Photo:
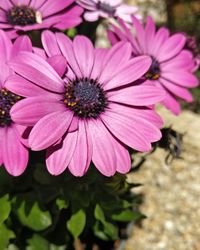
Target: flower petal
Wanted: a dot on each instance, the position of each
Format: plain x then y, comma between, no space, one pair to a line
49,129
30,110
37,70
125,130
15,155
171,47
65,45
23,87
81,158
59,156
22,43
119,52
141,95
182,78
103,155
49,43
177,90
131,71
59,63
84,53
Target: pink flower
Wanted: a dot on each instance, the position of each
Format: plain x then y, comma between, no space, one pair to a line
106,9
172,65
24,15
191,45
13,154
93,112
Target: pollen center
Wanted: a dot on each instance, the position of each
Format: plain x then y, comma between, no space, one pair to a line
105,7
21,15
85,97
7,100
154,71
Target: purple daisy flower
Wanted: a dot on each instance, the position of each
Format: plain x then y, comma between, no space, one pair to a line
26,15
191,45
106,9
172,65
93,112
13,153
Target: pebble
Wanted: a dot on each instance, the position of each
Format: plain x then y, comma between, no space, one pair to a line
171,193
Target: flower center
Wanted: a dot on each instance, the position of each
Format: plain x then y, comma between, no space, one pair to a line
85,97
22,16
105,7
154,71
7,100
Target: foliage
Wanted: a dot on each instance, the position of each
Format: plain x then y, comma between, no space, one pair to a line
40,211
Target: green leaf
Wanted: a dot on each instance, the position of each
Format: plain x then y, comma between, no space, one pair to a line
12,247
5,236
99,214
99,233
34,218
62,204
126,216
111,230
77,223
37,243
5,208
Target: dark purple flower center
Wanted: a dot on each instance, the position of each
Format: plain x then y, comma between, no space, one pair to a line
85,97
21,15
7,100
105,7
154,71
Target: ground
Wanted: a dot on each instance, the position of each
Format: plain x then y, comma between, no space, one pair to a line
171,193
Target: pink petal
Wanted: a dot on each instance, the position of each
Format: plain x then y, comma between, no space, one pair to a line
22,43
160,37
177,90
125,130
15,155
182,78
128,36
49,129
91,16
37,70
149,33
81,158
59,63
140,34
49,43
142,112
51,6
84,53
23,87
141,95
5,50
99,56
184,60
171,103
65,45
123,161
171,47
2,133
119,52
130,72
59,156
30,110
74,125
103,155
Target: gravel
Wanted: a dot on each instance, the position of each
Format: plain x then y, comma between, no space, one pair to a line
171,193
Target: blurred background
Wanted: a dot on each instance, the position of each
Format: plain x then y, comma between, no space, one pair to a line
171,192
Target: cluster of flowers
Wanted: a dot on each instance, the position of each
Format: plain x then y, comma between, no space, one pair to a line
81,103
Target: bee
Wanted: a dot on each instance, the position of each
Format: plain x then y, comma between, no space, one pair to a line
171,141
